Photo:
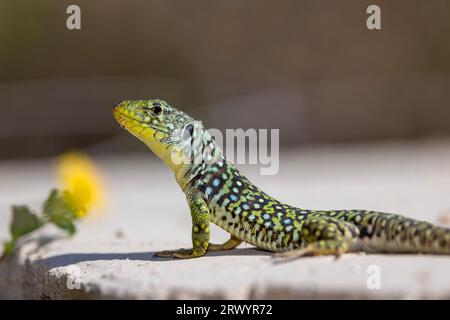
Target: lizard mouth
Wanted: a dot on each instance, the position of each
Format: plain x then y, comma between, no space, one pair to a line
123,117
120,118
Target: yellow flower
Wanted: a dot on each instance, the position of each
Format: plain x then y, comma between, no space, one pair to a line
80,177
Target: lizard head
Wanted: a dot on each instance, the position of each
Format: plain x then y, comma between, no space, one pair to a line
156,123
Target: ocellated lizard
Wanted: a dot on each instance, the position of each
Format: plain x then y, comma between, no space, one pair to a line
217,192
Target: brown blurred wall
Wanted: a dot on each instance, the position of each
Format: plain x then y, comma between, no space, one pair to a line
310,68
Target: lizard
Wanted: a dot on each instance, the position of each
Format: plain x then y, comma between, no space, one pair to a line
219,193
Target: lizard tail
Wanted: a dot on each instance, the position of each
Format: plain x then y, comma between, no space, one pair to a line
398,234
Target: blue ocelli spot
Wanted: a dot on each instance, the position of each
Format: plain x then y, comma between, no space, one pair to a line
216,182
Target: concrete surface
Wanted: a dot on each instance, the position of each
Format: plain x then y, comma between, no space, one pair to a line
111,255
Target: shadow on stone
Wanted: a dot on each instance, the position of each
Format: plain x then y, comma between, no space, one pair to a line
239,252
73,258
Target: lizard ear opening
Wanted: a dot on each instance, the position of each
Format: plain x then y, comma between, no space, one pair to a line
188,132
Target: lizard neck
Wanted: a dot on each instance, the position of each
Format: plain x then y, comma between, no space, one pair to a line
165,154
203,155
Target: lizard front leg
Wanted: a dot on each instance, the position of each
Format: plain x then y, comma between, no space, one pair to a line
200,232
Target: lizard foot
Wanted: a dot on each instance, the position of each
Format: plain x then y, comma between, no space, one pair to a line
320,248
233,242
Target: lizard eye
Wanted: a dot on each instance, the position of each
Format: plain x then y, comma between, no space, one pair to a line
156,110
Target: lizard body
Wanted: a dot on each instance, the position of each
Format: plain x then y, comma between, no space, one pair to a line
219,193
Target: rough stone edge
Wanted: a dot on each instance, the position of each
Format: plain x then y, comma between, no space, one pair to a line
25,277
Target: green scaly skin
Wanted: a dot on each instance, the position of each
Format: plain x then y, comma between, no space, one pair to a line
217,192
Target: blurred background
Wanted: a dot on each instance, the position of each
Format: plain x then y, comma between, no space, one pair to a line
364,119
310,68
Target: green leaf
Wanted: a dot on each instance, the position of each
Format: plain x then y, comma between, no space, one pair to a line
58,209
64,222
58,203
23,221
